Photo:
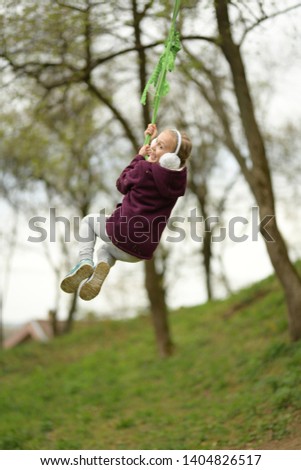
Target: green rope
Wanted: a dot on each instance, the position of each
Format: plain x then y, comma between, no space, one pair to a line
166,64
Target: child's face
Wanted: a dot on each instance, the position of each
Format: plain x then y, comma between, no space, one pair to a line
165,143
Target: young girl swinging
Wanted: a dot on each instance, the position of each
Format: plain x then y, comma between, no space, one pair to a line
132,233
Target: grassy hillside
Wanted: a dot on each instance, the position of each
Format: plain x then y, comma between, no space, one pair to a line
233,382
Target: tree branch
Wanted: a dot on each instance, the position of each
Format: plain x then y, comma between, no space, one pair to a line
218,107
71,7
265,18
211,39
95,63
104,99
102,60
147,7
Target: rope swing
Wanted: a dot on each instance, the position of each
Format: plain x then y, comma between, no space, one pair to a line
165,64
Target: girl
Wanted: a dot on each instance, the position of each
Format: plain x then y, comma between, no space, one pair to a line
132,233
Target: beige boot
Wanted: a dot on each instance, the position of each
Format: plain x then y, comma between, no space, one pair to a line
91,287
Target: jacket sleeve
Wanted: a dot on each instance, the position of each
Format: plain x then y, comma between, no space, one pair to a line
129,176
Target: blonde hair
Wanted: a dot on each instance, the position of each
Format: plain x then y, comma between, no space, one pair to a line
185,148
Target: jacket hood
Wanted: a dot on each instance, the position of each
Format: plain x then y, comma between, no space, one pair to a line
170,183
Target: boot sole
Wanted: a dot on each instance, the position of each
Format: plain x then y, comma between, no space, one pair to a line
71,283
92,286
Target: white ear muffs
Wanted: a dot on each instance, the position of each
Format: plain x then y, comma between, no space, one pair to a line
179,141
172,161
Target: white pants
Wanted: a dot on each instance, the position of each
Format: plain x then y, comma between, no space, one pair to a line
92,226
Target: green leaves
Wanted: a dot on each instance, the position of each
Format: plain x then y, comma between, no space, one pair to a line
166,64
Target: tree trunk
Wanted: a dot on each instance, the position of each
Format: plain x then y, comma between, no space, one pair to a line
206,247
284,270
156,294
259,177
207,237
200,190
72,310
52,318
1,322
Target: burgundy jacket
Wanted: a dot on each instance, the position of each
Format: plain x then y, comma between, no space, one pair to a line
151,192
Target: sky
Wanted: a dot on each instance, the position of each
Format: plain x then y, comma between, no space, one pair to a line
29,286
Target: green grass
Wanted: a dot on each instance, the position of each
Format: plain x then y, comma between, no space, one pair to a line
233,382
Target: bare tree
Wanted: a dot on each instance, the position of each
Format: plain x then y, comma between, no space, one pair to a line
258,176
202,163
52,149
254,165
60,66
